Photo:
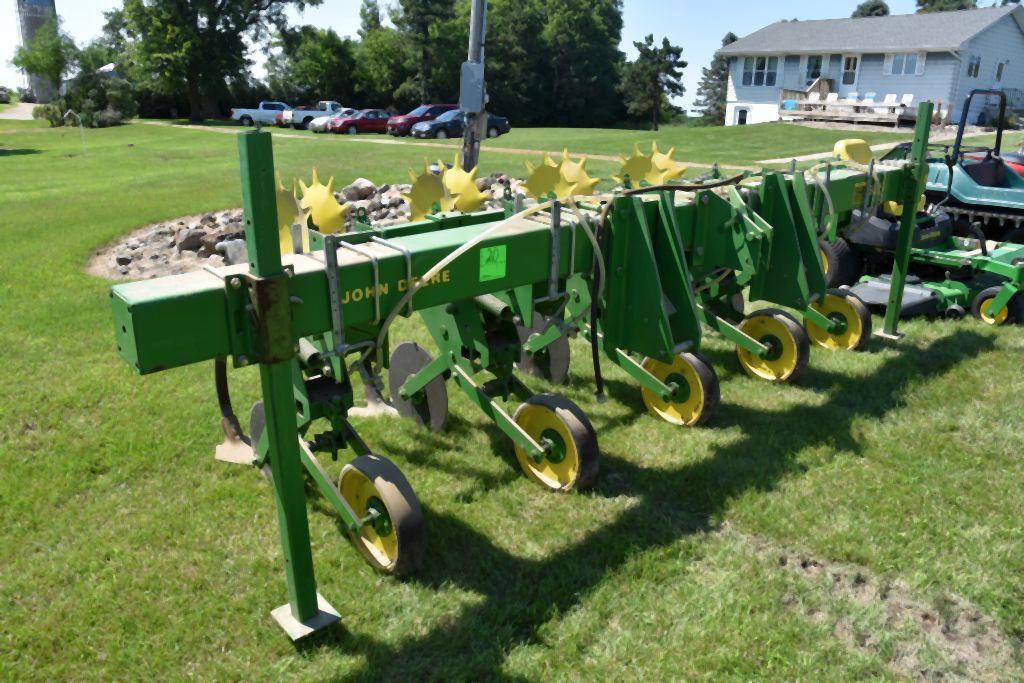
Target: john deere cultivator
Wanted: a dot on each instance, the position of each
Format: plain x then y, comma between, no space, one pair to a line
641,273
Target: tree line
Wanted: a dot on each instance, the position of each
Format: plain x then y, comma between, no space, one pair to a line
549,62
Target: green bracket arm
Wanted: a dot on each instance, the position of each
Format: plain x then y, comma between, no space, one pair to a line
913,185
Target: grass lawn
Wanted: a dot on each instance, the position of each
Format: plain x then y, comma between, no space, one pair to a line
843,527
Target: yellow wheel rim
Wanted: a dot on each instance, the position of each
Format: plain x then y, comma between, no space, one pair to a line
784,358
558,469
997,319
851,328
824,260
687,406
379,539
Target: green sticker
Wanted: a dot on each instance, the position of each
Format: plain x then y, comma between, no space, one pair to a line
492,263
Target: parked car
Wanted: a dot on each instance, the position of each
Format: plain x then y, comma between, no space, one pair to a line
321,124
401,125
323,108
5,96
365,121
266,112
451,124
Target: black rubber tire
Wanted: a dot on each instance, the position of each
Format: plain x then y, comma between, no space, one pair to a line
1015,306
403,508
257,423
552,363
1015,235
246,121
709,383
352,130
441,134
431,411
844,267
583,435
860,309
492,132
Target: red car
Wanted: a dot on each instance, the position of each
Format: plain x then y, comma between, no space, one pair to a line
401,125
365,121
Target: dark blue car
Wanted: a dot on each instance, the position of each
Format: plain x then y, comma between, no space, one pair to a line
451,123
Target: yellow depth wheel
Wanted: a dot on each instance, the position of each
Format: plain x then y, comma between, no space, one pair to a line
697,389
999,318
823,255
570,461
789,348
851,316
393,541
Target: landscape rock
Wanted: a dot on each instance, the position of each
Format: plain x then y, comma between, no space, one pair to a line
123,259
234,251
190,239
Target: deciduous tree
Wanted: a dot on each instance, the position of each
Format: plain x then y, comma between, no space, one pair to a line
871,8
925,6
49,55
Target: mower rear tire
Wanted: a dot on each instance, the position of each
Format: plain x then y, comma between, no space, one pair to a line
840,262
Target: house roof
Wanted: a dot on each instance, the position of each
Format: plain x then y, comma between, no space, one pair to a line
937,31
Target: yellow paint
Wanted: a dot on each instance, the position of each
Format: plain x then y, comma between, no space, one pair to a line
574,173
535,420
289,213
357,490
321,207
833,305
427,190
461,185
546,179
761,327
686,413
853,149
986,313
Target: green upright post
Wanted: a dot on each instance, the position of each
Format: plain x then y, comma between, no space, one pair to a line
910,193
271,302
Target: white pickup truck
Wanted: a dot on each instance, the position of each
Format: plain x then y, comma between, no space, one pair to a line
301,117
264,114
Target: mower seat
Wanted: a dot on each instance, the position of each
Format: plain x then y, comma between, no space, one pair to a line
989,172
854,149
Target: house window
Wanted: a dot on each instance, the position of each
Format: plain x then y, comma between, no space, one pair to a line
760,70
904,64
850,65
814,63
999,71
974,66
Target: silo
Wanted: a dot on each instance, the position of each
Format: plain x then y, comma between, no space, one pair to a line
31,15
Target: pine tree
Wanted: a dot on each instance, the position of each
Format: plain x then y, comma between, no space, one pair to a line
714,84
655,76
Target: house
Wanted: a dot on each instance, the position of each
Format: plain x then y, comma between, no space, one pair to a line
939,56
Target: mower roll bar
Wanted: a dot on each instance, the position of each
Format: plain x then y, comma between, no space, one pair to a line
963,121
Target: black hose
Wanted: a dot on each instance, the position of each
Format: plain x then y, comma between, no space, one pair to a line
229,421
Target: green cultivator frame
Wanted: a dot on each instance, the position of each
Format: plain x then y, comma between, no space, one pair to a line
642,274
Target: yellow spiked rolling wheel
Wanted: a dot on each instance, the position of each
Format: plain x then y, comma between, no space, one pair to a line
697,389
571,459
394,541
851,316
789,347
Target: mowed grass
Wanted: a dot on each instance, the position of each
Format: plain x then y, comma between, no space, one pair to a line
130,553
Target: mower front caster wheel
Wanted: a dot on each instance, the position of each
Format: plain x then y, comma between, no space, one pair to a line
981,308
789,349
852,319
393,540
570,460
697,389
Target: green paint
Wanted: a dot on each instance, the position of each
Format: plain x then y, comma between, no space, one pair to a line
493,263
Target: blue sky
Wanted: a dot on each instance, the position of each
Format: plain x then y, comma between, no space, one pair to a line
697,25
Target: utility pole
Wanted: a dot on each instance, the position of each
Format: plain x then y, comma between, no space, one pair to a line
473,90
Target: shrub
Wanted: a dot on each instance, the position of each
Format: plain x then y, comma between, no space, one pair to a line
49,112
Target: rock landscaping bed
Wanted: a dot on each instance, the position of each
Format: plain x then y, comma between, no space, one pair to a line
217,238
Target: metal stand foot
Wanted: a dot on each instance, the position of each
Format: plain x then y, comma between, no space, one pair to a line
300,629
891,337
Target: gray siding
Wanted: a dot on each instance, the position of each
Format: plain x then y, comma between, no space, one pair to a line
1003,41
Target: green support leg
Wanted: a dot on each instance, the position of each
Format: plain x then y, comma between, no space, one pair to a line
913,187
306,612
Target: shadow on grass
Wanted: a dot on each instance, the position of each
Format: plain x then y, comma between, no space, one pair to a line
521,595
18,152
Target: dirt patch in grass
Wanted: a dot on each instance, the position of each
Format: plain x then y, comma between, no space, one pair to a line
939,638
